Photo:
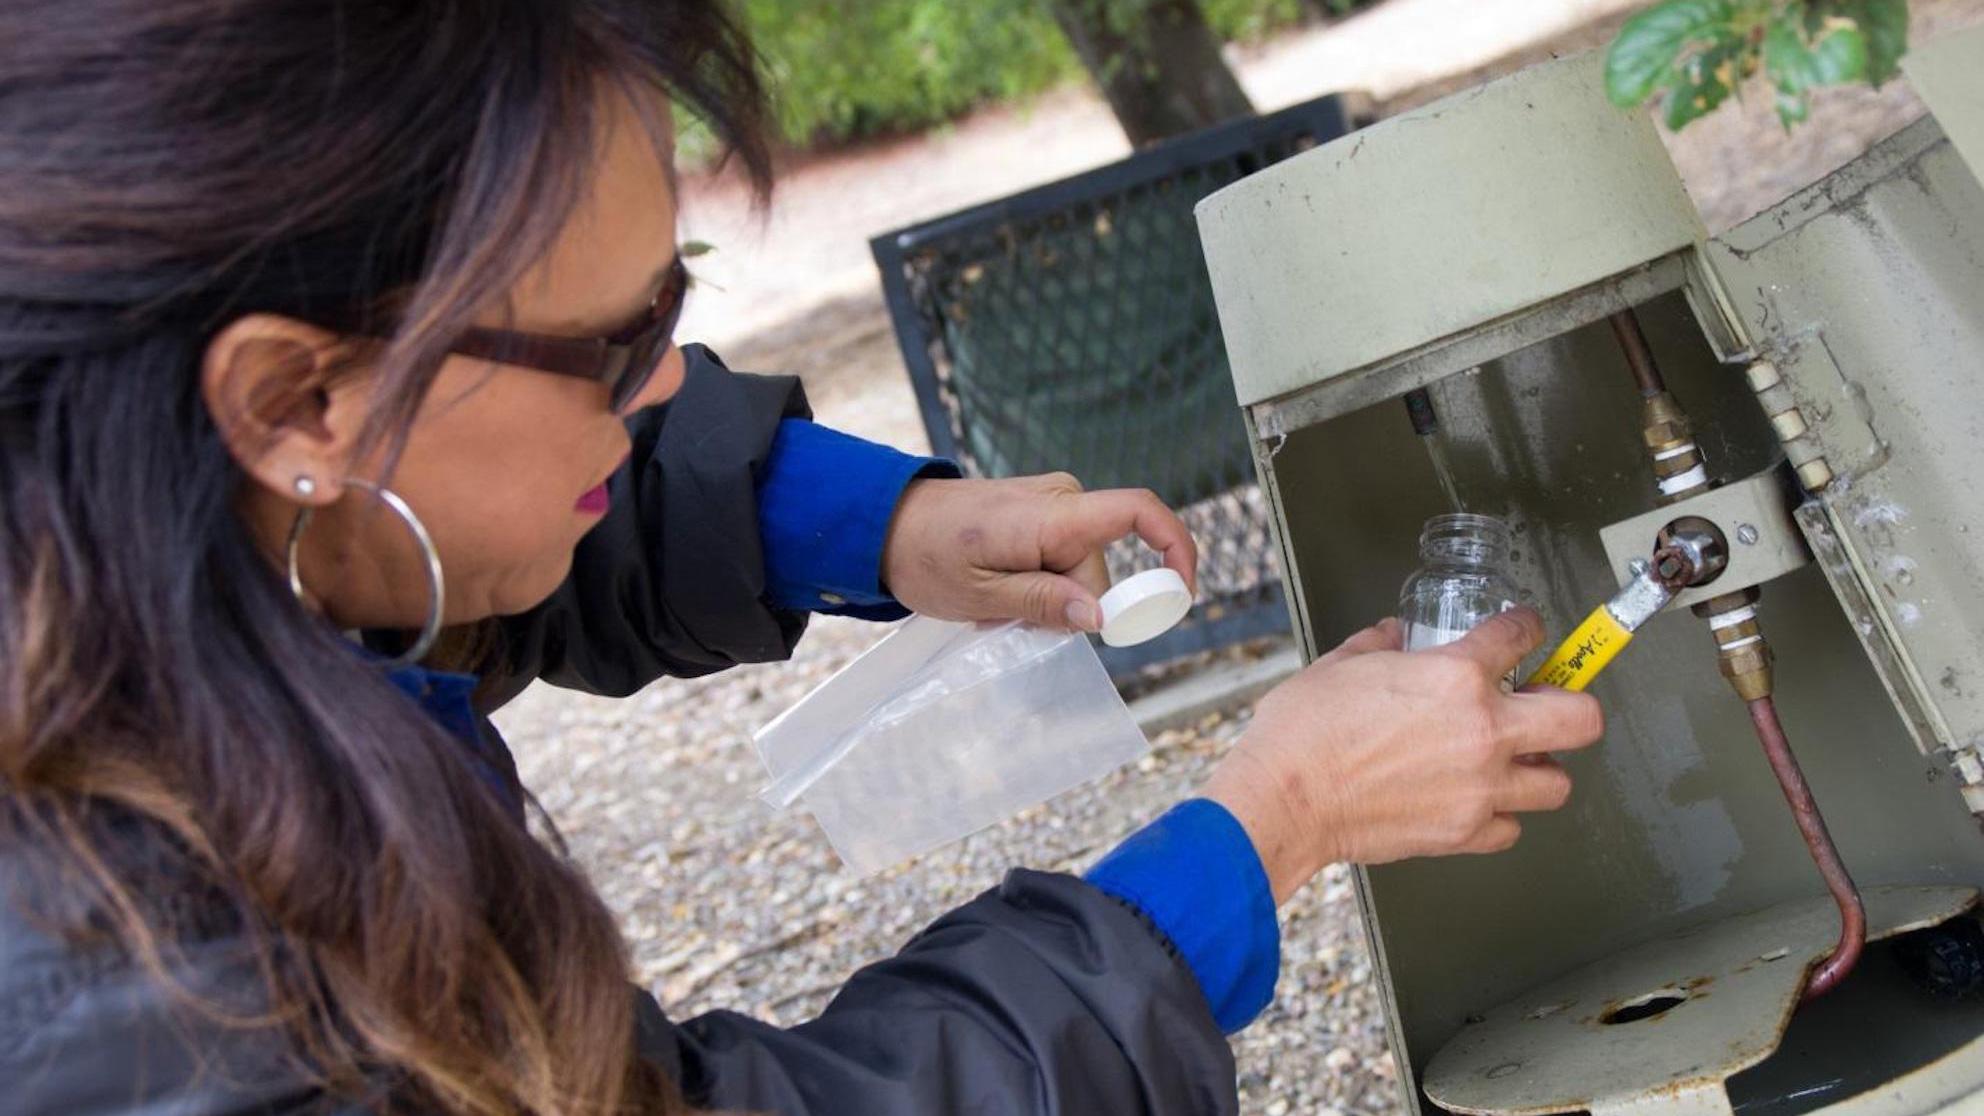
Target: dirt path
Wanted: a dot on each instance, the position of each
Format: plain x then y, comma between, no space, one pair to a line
729,907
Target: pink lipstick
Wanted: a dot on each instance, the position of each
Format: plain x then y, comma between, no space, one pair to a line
595,501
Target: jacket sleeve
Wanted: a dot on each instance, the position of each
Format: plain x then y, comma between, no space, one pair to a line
672,580
1043,996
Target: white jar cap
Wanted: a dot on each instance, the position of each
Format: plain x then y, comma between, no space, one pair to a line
1144,606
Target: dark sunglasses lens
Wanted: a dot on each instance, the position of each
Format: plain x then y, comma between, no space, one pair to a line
640,369
648,350
653,343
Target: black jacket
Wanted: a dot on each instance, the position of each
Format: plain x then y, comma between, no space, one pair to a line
1041,996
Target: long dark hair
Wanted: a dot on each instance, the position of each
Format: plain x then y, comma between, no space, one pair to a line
171,721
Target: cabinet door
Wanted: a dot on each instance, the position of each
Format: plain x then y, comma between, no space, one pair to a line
1867,290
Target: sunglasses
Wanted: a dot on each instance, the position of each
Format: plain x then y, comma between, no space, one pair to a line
624,361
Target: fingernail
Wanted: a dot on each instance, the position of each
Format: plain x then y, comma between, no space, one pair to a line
1081,616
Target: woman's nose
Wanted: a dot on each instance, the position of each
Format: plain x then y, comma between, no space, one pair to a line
662,386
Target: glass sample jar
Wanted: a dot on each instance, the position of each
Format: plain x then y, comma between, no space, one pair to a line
1462,580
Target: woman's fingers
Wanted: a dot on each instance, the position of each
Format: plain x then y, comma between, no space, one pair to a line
1534,786
1092,573
1096,519
1501,832
1550,720
1498,643
1385,635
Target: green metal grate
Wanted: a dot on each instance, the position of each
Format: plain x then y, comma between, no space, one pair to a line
1072,328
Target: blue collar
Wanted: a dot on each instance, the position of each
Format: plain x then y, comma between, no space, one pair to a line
444,696
448,699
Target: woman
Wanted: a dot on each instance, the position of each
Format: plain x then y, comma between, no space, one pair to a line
327,325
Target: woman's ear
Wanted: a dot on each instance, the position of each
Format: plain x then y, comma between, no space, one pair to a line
268,383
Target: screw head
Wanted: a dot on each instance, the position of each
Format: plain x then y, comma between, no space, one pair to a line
1746,534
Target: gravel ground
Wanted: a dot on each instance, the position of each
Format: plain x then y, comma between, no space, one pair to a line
730,906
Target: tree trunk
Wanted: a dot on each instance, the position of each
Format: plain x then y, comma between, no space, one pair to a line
1160,67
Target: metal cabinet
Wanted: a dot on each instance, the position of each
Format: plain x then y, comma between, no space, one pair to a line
1644,949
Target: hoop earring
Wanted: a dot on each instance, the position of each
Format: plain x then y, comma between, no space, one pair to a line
429,630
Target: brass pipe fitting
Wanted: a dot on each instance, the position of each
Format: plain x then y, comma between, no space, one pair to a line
1741,652
1663,424
1679,468
1748,668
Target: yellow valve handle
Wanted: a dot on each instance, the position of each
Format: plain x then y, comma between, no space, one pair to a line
1584,653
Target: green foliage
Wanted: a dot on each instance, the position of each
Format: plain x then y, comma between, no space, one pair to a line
843,69
1700,51
1250,19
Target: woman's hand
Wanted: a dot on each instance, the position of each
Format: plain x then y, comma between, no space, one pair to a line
1372,755
1029,548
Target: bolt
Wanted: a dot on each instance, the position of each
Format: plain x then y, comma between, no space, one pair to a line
1746,534
1673,567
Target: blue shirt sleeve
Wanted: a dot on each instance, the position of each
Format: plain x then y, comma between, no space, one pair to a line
825,501
1196,876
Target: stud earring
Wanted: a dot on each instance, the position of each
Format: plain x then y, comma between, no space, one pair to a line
305,486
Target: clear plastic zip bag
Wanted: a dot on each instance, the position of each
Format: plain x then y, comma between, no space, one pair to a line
942,729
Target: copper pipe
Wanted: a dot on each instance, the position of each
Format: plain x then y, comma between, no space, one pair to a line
1626,327
1852,914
